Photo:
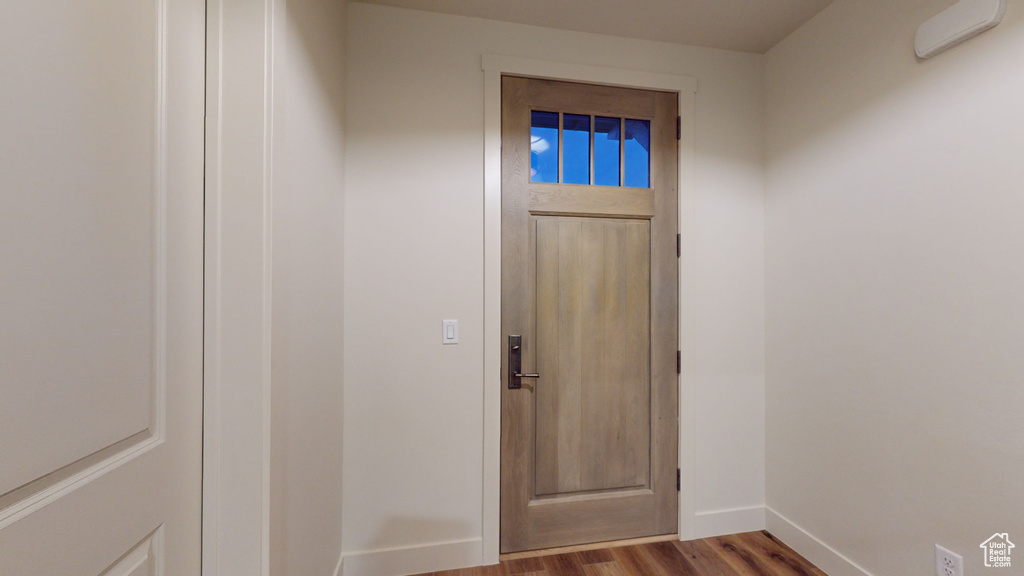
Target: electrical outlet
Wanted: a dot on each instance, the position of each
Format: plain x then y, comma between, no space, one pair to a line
948,563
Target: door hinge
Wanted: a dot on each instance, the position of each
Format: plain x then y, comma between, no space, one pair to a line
679,245
679,362
679,481
679,128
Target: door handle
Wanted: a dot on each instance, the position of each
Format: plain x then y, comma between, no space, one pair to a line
515,363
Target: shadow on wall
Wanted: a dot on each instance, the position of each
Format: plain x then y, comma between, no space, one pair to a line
307,315
851,66
318,27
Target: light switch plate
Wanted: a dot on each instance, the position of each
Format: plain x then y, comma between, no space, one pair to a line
449,332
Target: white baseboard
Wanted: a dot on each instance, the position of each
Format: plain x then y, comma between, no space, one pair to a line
467,553
820,554
412,559
339,570
733,521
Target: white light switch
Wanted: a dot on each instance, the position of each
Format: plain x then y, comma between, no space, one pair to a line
449,332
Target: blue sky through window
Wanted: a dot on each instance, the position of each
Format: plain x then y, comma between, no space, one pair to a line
544,147
576,150
576,155
638,156
606,151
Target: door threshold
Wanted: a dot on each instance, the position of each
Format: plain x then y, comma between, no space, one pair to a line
585,547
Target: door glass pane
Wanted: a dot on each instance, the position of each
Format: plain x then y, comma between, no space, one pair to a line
606,151
576,155
638,153
544,147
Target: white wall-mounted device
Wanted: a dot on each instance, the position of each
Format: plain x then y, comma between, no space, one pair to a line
965,19
449,332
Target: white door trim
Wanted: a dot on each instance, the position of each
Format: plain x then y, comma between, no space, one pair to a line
686,87
236,380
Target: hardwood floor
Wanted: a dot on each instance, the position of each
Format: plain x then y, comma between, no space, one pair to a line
750,554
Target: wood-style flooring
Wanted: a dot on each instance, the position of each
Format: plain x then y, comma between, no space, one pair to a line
750,554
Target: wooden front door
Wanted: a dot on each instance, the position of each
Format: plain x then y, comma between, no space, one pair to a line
589,314
101,287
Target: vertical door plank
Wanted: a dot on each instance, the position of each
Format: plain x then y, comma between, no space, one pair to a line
570,377
616,435
548,357
604,453
636,432
611,426
594,351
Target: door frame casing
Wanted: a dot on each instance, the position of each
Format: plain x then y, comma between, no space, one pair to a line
686,87
240,41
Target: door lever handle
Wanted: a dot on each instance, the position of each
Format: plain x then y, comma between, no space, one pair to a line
515,363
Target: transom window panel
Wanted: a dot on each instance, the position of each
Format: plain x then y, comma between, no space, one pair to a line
584,149
606,151
544,147
638,153
576,157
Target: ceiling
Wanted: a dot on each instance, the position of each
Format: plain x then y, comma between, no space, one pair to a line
744,25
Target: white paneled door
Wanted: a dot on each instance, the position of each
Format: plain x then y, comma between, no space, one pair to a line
101,284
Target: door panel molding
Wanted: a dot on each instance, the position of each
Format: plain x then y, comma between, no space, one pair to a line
21,502
494,67
145,559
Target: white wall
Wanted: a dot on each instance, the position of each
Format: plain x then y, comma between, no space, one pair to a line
308,213
414,256
895,274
